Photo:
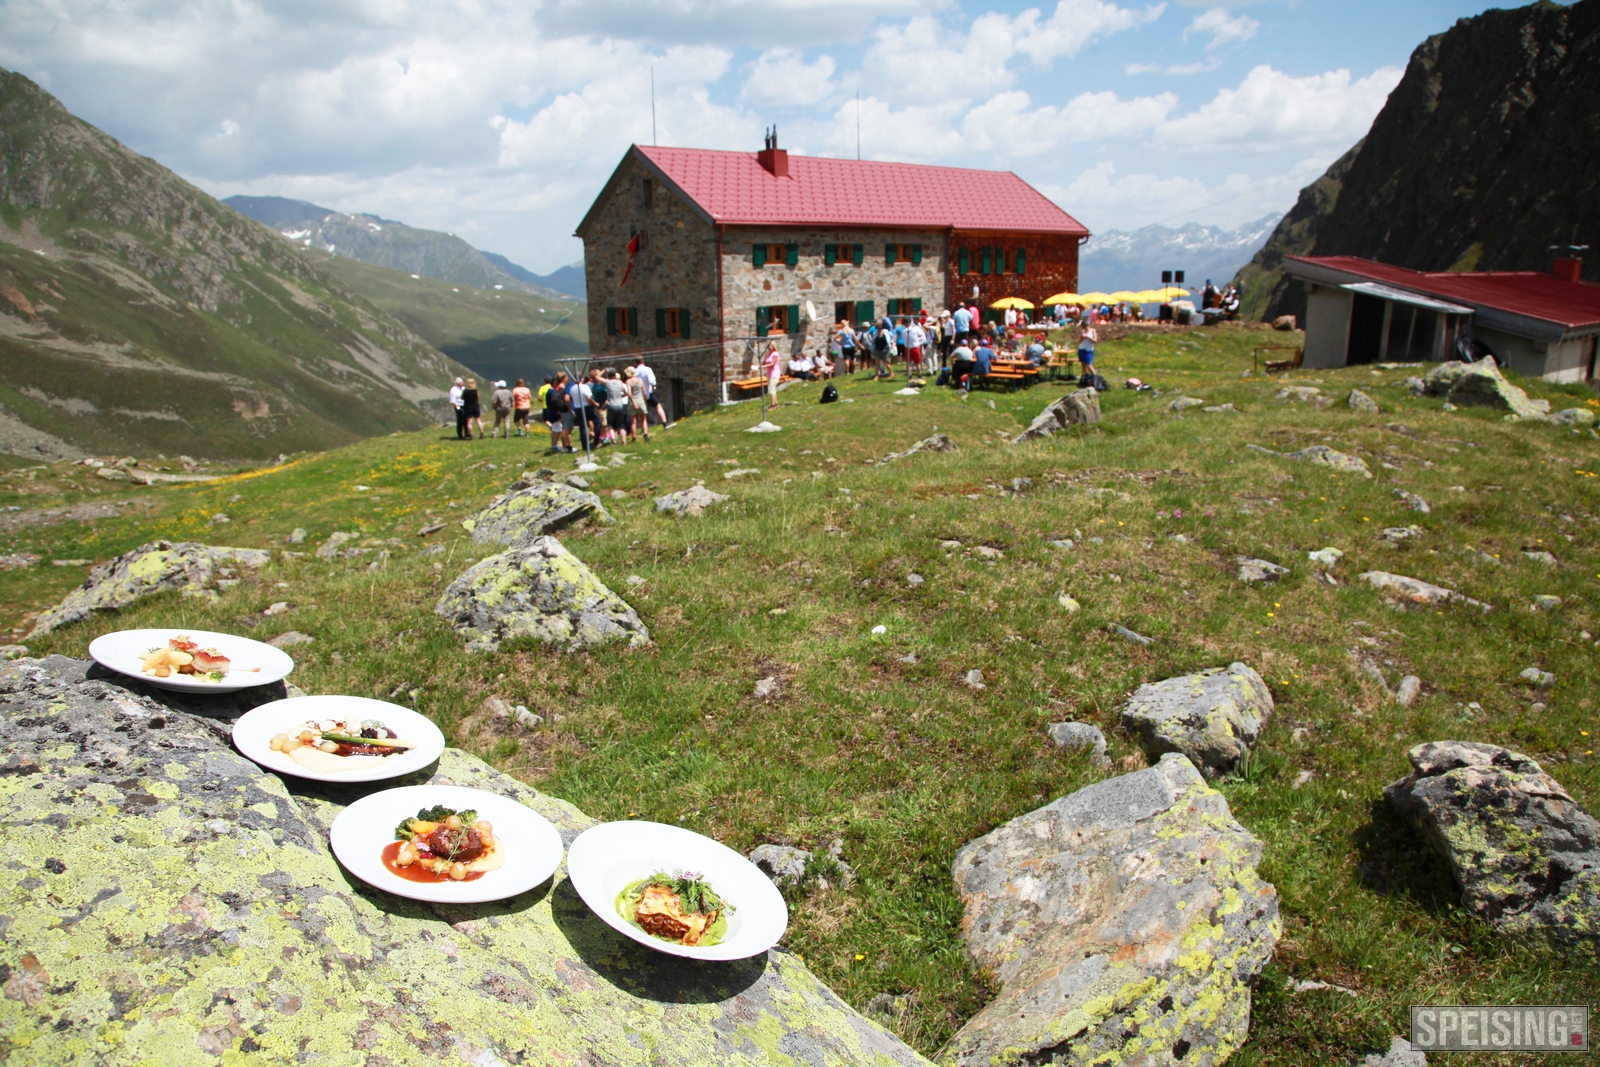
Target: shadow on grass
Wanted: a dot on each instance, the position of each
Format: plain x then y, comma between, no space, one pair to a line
1397,862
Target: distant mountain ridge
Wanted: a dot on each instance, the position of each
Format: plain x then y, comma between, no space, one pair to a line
138,313
1117,259
1486,154
386,243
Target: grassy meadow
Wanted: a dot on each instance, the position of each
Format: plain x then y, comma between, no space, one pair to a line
875,740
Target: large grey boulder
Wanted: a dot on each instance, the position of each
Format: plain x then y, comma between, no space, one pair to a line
154,567
1124,923
937,443
1573,417
542,508
692,501
1525,854
1481,384
1212,717
1322,456
1078,408
186,901
538,590
1363,403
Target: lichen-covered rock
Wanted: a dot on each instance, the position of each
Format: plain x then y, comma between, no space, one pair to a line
1405,590
1081,735
1322,456
1300,394
336,541
542,508
1078,408
153,567
1363,403
538,590
692,501
1124,922
1413,501
1482,384
1252,569
1184,403
937,443
178,905
1573,417
1526,855
1212,717
784,864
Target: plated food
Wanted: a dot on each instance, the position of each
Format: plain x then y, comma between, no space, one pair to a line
682,908
446,843
676,891
191,659
338,739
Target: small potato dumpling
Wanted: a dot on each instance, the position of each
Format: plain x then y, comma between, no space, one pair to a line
407,855
458,871
307,736
453,822
484,826
278,742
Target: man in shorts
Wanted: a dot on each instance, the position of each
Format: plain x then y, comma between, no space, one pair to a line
500,400
521,407
650,396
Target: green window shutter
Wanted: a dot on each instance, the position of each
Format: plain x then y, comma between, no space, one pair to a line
1022,261
758,255
858,254
794,318
830,254
633,321
762,319
888,255
863,308
984,261
916,255
916,304
683,322
962,262
791,255
611,321
661,322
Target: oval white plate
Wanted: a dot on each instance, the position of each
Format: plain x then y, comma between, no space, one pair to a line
606,859
125,650
254,730
361,832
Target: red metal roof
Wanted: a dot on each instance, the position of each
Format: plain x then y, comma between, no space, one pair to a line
1540,296
733,188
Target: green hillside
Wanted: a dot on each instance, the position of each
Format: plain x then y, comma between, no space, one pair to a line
499,334
139,314
875,739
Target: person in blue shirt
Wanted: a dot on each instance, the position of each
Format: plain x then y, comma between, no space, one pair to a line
984,356
1036,353
963,321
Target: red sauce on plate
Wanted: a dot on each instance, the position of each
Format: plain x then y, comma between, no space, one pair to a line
415,872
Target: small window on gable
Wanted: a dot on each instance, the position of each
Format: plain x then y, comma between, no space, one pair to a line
649,192
625,321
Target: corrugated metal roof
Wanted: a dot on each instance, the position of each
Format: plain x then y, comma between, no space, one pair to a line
1400,296
1572,305
734,188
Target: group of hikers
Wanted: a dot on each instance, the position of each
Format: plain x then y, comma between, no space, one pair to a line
605,405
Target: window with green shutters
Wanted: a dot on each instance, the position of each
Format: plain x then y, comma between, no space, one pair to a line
672,322
916,255
888,254
611,321
791,255
864,310
858,254
830,255
758,255
622,321
1022,261
985,260
763,320
963,262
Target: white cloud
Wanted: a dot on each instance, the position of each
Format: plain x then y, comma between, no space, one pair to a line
1007,125
1203,66
782,78
1271,110
1222,27
1102,198
1075,25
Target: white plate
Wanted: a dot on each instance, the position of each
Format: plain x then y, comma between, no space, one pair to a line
608,858
125,650
254,730
533,848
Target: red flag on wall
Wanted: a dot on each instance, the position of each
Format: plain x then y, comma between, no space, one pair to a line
633,250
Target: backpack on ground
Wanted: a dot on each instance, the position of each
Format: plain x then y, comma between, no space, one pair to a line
1091,380
829,394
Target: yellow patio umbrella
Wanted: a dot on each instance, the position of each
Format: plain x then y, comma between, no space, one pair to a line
1123,296
1172,292
1151,296
1011,302
1098,298
1062,298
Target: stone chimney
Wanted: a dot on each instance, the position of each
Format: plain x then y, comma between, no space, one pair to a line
1566,270
773,158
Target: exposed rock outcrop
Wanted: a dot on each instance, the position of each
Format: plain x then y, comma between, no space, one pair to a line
1526,855
1403,590
1483,385
155,567
187,901
1212,717
1124,922
692,501
937,443
1322,456
1078,408
540,509
538,590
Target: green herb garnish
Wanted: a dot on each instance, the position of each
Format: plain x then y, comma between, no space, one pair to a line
437,813
694,893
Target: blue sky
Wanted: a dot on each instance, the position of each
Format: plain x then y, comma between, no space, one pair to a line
499,120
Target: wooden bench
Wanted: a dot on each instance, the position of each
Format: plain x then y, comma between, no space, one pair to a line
756,383
1010,378
1274,366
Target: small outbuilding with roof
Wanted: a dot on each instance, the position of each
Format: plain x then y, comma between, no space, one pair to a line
1362,311
706,254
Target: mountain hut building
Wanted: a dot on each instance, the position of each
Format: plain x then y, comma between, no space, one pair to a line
696,256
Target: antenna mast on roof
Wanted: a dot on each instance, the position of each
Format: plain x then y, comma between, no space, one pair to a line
653,105
771,139
858,124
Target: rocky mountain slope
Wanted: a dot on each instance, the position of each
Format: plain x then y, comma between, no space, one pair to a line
136,312
1118,259
569,280
1486,154
386,243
